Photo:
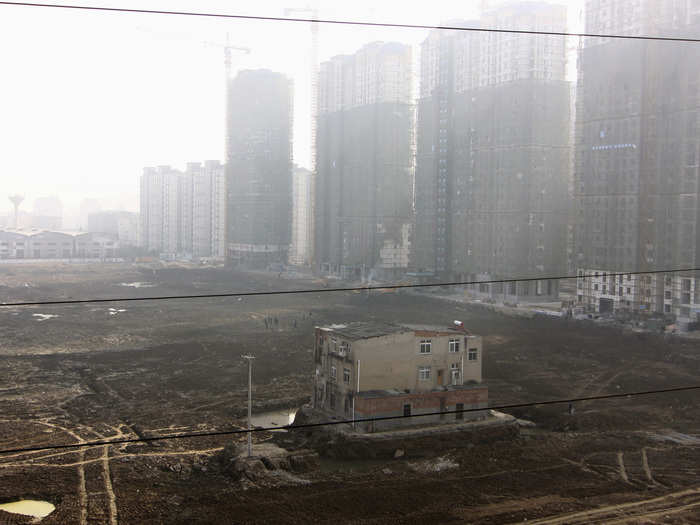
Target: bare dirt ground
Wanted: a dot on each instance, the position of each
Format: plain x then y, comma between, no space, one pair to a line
156,368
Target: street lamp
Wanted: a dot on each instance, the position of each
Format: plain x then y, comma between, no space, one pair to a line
250,358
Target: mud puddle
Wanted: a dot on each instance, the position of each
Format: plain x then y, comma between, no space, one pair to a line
29,507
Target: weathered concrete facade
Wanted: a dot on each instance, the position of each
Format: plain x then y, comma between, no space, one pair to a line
364,163
637,184
377,404
375,370
259,168
493,154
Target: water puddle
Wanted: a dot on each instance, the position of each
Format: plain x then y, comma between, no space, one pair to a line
44,317
28,507
138,284
274,418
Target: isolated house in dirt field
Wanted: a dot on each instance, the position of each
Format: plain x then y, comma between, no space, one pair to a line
370,370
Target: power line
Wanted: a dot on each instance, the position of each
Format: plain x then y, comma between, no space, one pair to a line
328,290
191,435
345,22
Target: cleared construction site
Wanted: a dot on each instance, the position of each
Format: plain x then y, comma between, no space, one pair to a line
144,369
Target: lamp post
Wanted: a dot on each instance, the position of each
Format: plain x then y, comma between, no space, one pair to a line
250,358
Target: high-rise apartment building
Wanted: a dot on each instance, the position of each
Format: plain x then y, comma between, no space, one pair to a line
493,154
364,163
183,214
259,168
302,217
208,214
637,154
160,204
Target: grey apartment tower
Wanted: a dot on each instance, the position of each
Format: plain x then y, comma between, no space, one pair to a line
493,155
364,163
259,168
637,154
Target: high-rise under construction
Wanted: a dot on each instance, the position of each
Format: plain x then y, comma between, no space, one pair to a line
259,168
637,154
364,160
493,154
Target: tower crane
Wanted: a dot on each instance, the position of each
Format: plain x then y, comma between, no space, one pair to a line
228,52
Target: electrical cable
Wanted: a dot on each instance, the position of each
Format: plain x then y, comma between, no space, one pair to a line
327,290
345,421
344,22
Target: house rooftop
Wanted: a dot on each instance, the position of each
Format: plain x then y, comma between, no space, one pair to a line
364,330
437,328
367,330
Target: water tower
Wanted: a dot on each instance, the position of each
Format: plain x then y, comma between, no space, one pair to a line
16,200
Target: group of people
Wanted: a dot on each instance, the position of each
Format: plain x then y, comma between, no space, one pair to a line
273,323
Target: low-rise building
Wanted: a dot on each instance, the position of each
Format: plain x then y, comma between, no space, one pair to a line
670,294
41,244
371,370
50,245
96,245
13,245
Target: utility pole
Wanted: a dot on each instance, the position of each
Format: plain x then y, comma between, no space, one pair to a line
250,358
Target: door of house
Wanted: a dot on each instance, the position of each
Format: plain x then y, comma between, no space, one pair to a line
440,377
606,305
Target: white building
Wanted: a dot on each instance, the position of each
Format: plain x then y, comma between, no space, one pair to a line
609,292
44,244
184,214
302,217
394,255
160,210
208,208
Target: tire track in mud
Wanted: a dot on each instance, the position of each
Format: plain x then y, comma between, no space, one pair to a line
93,472
621,467
645,467
108,486
672,503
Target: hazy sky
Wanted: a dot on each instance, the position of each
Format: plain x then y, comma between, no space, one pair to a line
87,99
